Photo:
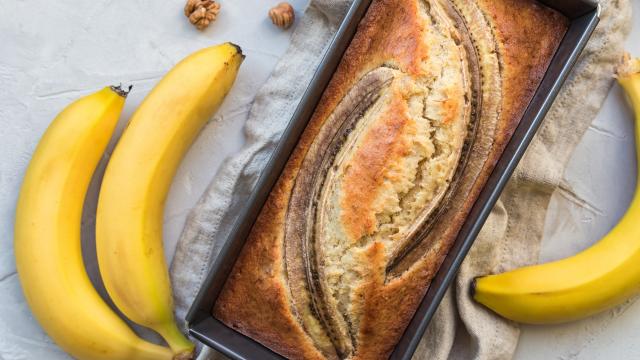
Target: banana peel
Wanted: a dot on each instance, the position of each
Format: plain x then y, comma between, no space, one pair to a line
130,210
47,236
594,280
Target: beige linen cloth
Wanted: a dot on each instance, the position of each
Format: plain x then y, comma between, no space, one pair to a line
511,236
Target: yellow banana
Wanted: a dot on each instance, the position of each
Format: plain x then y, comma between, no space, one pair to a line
138,177
598,278
47,235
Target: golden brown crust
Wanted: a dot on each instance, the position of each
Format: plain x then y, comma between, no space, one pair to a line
528,34
256,299
381,145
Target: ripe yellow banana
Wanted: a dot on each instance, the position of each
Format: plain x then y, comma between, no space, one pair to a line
47,236
605,275
138,177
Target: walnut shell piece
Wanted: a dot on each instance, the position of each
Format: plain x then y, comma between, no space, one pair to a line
282,15
201,13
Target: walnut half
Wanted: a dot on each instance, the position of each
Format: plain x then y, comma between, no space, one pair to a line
282,15
201,12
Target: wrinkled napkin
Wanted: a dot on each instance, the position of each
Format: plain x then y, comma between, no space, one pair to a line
511,236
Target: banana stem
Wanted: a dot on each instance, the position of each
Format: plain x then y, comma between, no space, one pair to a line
120,91
628,75
629,78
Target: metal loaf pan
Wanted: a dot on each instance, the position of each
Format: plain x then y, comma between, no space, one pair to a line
583,15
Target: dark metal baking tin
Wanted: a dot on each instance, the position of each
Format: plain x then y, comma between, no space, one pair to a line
584,16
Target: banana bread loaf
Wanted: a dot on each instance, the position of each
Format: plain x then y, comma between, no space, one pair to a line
407,132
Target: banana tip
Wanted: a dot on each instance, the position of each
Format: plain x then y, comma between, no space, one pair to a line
472,287
238,49
185,355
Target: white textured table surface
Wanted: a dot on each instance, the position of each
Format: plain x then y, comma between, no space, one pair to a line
53,52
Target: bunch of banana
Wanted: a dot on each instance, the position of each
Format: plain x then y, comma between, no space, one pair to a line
603,276
129,222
